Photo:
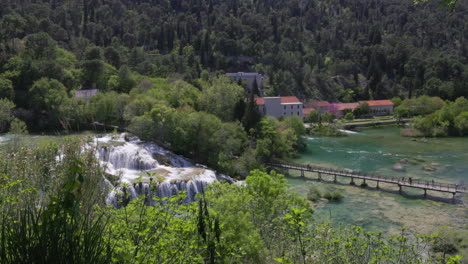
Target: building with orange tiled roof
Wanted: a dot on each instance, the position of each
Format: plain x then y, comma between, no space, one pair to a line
306,111
380,107
338,109
280,106
321,106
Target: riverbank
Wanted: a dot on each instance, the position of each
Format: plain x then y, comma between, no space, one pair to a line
337,128
372,123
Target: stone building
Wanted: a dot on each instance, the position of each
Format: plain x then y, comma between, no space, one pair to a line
339,109
320,106
86,94
280,106
380,107
249,78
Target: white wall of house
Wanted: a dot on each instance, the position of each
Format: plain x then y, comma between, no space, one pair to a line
274,107
382,110
292,109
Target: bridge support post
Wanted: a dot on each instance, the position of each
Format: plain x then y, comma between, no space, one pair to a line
400,190
334,178
319,176
302,174
377,185
352,181
453,197
425,193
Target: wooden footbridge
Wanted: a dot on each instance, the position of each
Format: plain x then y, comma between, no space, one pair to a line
401,182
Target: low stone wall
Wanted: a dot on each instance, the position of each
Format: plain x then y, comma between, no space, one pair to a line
376,123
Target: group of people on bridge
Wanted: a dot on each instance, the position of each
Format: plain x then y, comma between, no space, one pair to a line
411,180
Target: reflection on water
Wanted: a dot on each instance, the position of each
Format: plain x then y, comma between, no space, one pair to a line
376,151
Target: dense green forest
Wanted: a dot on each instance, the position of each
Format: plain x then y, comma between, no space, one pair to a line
336,50
343,49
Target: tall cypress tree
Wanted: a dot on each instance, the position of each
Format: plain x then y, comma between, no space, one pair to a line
252,115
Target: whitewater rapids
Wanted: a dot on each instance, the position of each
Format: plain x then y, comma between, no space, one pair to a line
136,165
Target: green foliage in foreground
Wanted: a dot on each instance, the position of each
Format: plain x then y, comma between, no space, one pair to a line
52,211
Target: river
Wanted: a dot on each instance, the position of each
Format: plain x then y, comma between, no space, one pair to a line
376,150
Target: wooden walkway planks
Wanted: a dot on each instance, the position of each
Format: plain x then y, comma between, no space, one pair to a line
401,182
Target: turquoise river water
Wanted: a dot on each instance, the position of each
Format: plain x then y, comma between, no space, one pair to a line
376,150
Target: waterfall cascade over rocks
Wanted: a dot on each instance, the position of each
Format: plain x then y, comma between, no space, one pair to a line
136,164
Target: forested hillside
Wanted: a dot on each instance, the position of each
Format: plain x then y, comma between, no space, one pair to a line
338,49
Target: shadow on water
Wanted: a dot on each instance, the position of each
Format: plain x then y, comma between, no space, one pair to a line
384,190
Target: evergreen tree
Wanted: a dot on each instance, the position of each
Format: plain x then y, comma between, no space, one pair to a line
252,114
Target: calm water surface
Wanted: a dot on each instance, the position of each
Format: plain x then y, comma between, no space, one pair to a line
376,151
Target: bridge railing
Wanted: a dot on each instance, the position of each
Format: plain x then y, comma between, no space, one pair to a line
359,174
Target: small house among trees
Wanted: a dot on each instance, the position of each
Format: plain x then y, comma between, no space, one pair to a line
340,109
251,80
380,107
321,106
86,94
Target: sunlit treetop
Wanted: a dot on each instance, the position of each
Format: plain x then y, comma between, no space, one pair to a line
450,4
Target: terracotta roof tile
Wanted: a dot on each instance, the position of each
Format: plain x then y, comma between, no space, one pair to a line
307,110
320,103
289,99
259,101
378,102
284,100
342,106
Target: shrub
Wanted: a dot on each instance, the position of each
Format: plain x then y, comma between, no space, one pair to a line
328,117
362,109
314,194
333,195
349,116
313,116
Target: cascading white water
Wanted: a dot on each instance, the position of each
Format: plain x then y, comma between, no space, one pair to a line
129,156
135,163
349,131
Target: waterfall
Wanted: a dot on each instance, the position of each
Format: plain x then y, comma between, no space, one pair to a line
122,195
129,156
148,170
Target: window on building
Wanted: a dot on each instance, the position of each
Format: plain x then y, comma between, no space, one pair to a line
291,107
284,107
297,106
297,113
